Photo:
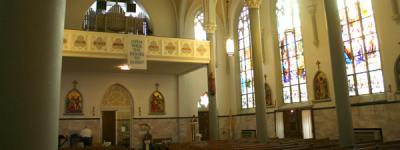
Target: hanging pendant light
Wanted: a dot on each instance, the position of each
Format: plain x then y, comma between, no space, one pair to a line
130,6
101,5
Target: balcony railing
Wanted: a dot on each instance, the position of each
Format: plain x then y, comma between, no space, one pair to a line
116,46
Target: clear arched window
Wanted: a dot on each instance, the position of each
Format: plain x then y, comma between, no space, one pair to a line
199,33
202,105
292,52
245,59
361,47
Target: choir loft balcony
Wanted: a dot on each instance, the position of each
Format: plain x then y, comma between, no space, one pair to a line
99,50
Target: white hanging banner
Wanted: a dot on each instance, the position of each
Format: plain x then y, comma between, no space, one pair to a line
136,53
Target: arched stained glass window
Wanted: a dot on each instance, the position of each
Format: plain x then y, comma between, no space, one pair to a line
292,52
245,58
361,47
199,33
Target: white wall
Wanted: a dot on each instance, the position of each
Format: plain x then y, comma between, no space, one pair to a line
192,85
93,86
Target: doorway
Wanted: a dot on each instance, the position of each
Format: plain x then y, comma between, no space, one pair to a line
292,124
108,122
295,123
117,113
204,125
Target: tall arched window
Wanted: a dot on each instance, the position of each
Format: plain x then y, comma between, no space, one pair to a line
361,50
199,33
292,52
245,58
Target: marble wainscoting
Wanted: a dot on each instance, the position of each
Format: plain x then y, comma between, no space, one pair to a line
160,128
226,127
271,129
68,126
325,123
244,122
185,129
230,127
385,116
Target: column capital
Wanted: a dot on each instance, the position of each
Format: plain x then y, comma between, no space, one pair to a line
253,3
210,27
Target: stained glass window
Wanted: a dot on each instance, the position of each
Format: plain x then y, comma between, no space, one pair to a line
292,52
199,33
361,47
245,58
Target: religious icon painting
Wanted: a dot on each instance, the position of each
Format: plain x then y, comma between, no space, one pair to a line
74,101
321,91
157,102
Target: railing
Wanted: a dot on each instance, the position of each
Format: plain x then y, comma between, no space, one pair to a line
116,46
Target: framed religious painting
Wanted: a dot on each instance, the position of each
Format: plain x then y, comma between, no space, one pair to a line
74,101
157,102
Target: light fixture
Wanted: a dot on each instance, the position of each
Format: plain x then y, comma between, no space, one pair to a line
124,67
230,50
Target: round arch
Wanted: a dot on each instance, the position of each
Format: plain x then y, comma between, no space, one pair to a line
118,100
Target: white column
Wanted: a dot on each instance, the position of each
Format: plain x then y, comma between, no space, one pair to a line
256,47
343,109
31,38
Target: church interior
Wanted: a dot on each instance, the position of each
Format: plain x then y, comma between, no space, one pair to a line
188,74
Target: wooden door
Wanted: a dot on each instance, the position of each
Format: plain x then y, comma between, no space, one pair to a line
203,125
109,126
292,124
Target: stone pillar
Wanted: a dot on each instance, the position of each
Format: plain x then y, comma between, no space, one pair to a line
31,39
256,47
212,89
343,109
210,27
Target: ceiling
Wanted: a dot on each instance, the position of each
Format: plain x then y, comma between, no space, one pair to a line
77,64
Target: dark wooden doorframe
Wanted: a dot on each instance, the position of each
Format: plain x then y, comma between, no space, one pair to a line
108,126
204,125
292,122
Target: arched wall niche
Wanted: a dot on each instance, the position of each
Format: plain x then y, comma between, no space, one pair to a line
117,98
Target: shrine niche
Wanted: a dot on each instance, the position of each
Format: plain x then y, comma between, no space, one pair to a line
157,102
397,74
74,101
321,91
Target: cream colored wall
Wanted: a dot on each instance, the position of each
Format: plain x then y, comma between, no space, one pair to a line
74,13
389,39
93,86
192,85
161,13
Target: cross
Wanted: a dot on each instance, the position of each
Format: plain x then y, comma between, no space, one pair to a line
157,85
318,63
74,83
